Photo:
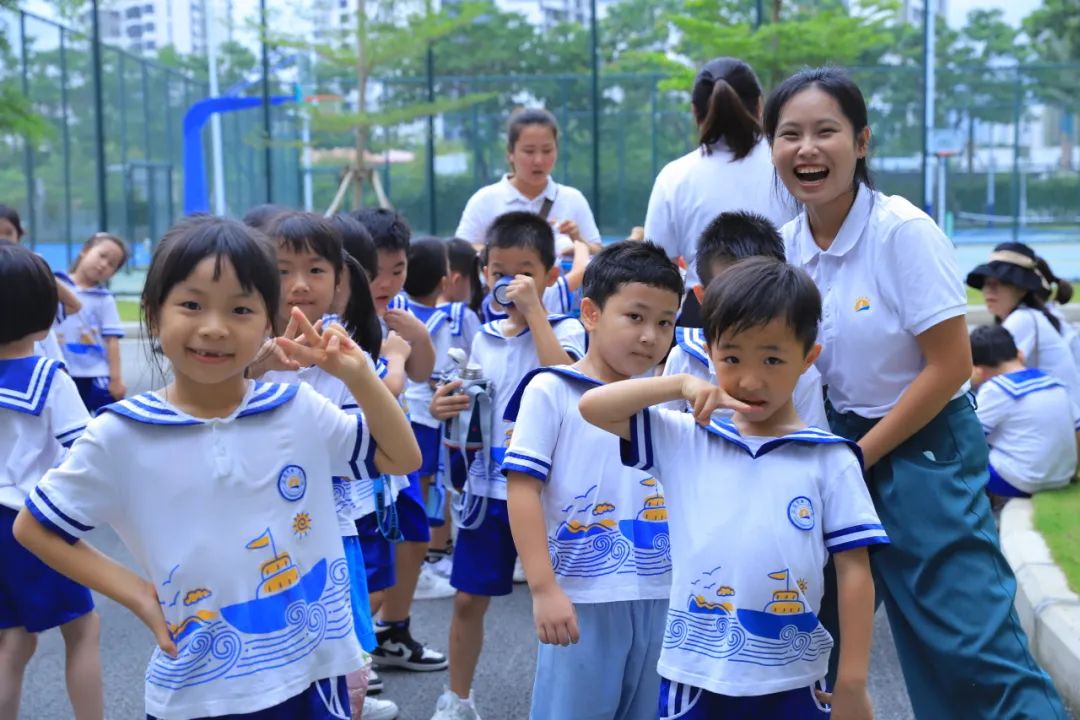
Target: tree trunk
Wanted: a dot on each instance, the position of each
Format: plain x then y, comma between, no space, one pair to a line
359,166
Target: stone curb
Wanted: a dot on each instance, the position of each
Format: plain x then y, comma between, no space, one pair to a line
1048,609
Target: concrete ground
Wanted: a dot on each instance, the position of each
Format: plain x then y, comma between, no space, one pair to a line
503,684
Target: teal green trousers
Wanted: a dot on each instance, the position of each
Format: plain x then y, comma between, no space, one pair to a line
946,586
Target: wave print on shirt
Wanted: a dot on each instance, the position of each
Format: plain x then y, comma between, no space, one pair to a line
290,616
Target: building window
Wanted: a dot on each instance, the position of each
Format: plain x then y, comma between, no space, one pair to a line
148,27
132,13
148,9
150,45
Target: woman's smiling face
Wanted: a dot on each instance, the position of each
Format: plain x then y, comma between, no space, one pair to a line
815,148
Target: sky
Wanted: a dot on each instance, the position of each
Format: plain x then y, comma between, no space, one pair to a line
1015,10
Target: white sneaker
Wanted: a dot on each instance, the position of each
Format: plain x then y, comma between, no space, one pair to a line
443,566
519,572
430,586
451,707
375,709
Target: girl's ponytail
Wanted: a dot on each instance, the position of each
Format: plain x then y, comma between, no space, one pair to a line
1061,291
725,98
359,316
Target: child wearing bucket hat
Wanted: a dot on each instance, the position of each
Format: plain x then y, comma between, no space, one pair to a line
1013,289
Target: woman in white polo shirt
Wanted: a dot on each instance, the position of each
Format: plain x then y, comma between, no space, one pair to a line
532,148
895,360
730,169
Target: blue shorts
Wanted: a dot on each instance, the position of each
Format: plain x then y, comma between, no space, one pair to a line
94,392
610,673
32,594
378,554
484,557
358,592
323,700
430,441
686,702
998,485
412,514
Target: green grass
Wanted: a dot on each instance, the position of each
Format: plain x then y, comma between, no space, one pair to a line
974,296
129,310
1055,518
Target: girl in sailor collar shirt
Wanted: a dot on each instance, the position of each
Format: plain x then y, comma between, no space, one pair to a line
229,509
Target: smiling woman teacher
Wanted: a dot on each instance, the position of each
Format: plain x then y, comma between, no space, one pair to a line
895,359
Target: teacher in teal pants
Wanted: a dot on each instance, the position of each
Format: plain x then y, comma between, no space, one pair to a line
896,360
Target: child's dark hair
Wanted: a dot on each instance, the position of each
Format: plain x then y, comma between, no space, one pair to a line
357,242
464,260
1061,291
427,266
521,229
521,119
307,232
734,236
834,82
630,262
97,239
261,217
725,98
28,296
992,345
754,292
191,241
389,229
12,216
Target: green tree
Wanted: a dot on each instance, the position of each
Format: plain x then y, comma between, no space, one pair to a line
1054,32
17,115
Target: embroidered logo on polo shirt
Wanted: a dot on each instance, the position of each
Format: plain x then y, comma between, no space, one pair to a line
862,303
800,512
292,482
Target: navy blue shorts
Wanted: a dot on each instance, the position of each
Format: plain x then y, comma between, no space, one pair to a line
686,702
32,594
94,392
430,441
998,485
378,554
412,514
484,557
312,704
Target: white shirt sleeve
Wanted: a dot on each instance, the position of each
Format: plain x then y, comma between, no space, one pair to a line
557,296
440,339
659,440
848,518
84,491
658,218
925,288
536,429
571,335
809,399
992,406
110,318
1023,326
678,362
470,326
474,219
583,216
349,445
67,413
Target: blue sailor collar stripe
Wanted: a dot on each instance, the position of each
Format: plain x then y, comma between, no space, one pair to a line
456,312
431,317
1024,382
692,341
565,371
726,430
398,302
89,291
150,409
25,383
492,328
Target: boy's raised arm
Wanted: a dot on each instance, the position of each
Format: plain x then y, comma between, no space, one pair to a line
610,407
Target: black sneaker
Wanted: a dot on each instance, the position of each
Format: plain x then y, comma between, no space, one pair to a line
375,683
397,648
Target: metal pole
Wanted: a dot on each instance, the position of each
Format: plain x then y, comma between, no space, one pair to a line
65,105
28,147
266,101
929,60
432,208
760,14
215,119
595,42
99,117
1017,116
942,163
